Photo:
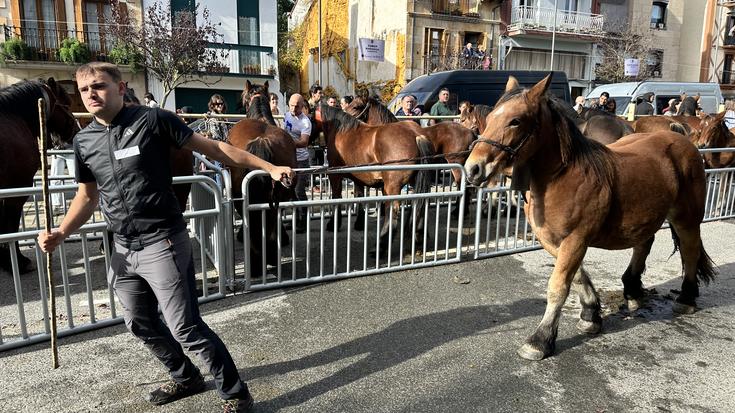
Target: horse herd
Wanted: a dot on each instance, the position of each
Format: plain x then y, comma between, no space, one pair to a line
593,180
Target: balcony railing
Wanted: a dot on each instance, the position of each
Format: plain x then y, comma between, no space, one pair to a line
43,44
542,19
451,61
246,60
727,76
454,7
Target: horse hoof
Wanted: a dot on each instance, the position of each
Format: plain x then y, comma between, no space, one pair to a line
529,352
589,327
681,308
634,305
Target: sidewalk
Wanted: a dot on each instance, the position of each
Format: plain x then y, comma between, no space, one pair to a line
416,341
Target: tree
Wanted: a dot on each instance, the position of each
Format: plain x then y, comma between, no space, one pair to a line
629,42
170,46
288,59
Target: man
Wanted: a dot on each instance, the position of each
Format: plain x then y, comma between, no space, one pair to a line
122,159
601,103
643,106
332,101
468,55
579,104
408,108
298,126
316,93
441,108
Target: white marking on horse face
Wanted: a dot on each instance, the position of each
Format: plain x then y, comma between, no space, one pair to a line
500,110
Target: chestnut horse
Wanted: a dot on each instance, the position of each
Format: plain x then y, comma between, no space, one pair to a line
19,155
602,126
351,142
476,117
686,125
584,194
276,146
715,134
448,138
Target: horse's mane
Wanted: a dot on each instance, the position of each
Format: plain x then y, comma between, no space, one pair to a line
344,121
481,111
576,148
21,99
378,109
260,109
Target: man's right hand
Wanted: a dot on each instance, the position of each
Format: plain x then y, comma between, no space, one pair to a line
48,241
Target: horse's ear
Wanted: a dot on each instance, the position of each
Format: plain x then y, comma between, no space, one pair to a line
51,82
540,88
248,86
512,84
265,85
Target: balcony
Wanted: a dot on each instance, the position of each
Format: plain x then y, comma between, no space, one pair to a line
257,61
542,19
455,8
43,44
727,78
451,61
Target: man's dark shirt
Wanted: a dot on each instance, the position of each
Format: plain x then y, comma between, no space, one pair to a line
414,112
643,108
130,161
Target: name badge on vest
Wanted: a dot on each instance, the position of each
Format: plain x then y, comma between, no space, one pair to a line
127,152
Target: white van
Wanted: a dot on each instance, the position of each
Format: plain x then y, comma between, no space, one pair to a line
625,93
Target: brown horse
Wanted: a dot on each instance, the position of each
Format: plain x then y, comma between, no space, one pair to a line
448,138
19,156
276,146
351,142
715,134
602,126
584,194
475,120
686,125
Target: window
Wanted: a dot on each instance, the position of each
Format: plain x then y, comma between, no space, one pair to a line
571,5
653,63
658,14
730,30
433,48
727,77
96,13
38,27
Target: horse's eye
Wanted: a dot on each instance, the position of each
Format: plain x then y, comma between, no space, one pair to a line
515,122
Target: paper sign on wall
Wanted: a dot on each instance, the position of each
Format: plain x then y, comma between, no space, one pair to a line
372,50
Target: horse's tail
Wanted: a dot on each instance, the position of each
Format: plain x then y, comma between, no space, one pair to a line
422,183
705,266
261,147
678,128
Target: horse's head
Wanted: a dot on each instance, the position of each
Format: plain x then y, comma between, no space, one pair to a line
260,109
714,132
358,108
512,132
250,91
59,119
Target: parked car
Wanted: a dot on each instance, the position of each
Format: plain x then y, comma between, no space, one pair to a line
625,93
477,86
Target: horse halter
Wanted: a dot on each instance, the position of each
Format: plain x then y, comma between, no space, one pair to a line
505,148
363,112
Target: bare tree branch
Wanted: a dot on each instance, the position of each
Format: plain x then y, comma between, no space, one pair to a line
632,41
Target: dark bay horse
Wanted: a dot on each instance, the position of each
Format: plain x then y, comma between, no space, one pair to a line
602,126
276,146
351,142
584,194
19,155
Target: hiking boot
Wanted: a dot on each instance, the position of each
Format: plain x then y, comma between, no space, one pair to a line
172,391
238,405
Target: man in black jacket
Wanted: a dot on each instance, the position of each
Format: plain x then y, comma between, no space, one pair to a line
643,105
122,160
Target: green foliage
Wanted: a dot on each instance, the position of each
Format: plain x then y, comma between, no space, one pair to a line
72,51
14,49
126,55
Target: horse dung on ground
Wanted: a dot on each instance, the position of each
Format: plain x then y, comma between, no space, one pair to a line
584,194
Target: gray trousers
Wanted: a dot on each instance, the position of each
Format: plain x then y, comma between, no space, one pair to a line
162,274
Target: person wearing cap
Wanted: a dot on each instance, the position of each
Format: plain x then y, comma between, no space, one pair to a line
643,106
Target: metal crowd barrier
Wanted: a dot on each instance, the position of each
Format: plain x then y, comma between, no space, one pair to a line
86,300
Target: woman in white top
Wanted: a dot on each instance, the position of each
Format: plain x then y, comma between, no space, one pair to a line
150,101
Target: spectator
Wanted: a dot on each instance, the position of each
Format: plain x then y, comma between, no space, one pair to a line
468,55
217,128
643,106
730,113
345,101
671,109
441,108
465,107
332,101
149,100
601,101
315,95
487,61
611,106
408,108
298,126
273,99
579,104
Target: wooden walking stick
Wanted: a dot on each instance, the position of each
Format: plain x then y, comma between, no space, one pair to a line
47,209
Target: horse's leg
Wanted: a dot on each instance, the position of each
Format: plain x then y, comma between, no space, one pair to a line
569,258
360,220
590,321
696,264
391,186
336,184
632,285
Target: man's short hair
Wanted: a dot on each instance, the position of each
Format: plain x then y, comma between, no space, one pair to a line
100,67
443,90
607,95
315,88
408,96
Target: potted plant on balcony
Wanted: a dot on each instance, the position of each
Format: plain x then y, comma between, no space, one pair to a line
124,55
14,49
72,51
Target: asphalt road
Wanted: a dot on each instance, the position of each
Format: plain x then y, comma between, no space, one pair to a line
419,341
